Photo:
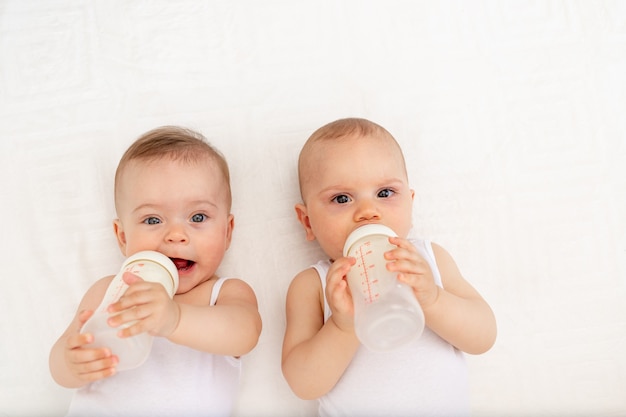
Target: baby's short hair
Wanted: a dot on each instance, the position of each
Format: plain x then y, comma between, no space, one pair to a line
176,143
347,127
341,128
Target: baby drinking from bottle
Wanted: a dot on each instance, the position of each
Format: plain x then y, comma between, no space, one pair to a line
352,173
190,326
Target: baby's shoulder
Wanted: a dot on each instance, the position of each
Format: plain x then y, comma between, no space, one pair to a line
99,288
305,284
308,276
94,295
217,290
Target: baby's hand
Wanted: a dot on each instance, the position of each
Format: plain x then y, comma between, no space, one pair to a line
338,293
413,270
85,363
147,303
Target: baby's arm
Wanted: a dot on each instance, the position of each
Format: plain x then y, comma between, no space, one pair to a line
73,365
231,327
456,312
316,354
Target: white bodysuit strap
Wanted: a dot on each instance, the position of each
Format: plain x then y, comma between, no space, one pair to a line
215,292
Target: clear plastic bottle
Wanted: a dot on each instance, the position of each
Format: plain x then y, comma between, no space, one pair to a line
386,312
131,351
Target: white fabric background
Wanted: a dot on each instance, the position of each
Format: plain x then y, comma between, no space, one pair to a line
511,115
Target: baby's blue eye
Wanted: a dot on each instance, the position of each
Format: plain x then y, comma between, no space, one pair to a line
152,220
386,193
341,199
198,218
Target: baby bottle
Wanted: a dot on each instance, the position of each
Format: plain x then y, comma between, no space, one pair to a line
131,351
386,312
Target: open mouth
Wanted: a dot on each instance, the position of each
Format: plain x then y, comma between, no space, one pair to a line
182,264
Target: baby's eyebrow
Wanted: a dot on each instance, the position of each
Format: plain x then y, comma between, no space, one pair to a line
195,204
394,180
204,203
145,206
333,190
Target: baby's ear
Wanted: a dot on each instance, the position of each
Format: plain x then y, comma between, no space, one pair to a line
229,230
120,235
303,218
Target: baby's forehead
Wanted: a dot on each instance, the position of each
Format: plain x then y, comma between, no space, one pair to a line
137,167
158,162
317,156
319,149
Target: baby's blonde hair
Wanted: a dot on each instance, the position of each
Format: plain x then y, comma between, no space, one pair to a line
175,143
343,128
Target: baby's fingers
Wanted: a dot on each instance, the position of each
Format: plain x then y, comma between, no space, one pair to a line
78,340
130,278
99,374
404,250
338,291
92,364
97,369
338,270
83,316
141,293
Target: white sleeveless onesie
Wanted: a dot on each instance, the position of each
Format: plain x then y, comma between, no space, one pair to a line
174,381
427,377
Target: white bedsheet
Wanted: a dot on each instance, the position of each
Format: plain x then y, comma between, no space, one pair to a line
511,116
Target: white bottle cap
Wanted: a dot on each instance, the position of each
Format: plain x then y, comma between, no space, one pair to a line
366,230
160,259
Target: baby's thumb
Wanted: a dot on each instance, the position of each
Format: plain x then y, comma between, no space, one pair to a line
83,316
130,278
